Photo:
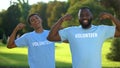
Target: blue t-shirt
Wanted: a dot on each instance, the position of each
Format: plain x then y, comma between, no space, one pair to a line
41,52
86,44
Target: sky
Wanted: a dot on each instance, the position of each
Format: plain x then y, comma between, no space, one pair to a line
4,4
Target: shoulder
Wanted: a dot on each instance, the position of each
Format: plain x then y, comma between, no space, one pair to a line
28,34
106,26
72,28
46,31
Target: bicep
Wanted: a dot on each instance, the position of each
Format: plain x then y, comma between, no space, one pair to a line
13,45
55,37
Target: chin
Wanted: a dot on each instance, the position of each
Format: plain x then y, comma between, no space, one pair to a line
86,26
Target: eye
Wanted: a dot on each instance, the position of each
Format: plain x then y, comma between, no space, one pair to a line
36,17
32,20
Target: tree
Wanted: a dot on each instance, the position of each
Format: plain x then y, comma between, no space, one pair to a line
11,19
4,39
114,4
114,55
58,9
24,10
73,2
2,14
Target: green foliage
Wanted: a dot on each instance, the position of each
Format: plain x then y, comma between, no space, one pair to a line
73,2
11,18
114,55
49,12
1,33
16,13
4,40
24,11
114,4
55,10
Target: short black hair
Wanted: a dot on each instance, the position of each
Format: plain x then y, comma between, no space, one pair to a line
82,8
85,7
28,18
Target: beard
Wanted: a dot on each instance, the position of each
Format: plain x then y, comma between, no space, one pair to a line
87,24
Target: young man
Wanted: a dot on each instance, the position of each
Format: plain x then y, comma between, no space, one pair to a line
85,40
40,50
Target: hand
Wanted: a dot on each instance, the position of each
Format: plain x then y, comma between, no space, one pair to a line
20,26
66,17
105,16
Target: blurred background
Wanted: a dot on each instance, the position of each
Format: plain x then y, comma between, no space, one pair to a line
13,12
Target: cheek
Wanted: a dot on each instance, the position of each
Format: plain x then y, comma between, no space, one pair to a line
32,25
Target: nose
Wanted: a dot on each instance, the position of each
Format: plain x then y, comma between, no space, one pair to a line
35,21
82,17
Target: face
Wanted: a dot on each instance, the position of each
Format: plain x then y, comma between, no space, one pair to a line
35,22
85,18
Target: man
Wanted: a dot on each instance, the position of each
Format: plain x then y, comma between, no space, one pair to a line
40,50
85,40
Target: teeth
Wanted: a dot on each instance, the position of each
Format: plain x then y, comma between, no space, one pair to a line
85,21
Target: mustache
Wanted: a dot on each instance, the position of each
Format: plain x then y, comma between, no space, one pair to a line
85,25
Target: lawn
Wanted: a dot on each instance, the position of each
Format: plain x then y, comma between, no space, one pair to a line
17,57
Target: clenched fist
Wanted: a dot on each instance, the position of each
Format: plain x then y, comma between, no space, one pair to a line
20,26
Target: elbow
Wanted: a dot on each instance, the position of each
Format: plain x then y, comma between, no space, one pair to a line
9,46
52,39
49,38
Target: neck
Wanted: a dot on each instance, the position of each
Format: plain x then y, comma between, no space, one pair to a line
39,30
87,27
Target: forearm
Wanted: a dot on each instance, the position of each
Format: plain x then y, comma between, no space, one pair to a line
54,30
116,22
54,33
11,43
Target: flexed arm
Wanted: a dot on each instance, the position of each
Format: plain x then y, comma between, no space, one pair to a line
53,34
114,20
11,43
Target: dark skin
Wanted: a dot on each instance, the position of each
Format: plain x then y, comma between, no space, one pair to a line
85,18
54,35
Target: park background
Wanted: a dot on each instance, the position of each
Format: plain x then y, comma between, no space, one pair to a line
50,12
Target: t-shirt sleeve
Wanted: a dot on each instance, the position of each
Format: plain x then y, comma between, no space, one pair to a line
21,41
109,31
63,34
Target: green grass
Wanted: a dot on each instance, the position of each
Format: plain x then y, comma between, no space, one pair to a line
63,56
17,57
13,57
